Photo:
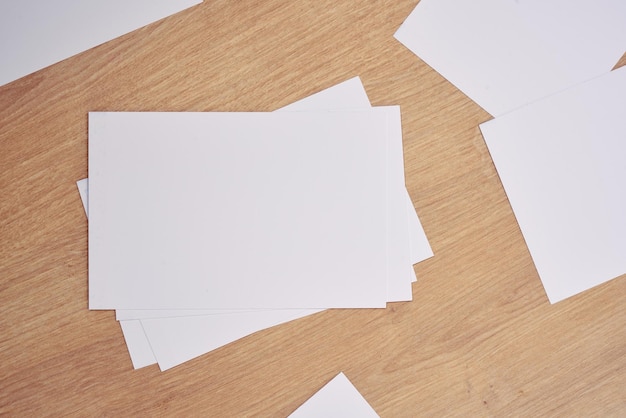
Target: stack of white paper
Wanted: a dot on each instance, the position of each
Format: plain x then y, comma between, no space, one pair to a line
198,220
555,142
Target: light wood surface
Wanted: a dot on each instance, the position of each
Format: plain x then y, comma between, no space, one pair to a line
479,338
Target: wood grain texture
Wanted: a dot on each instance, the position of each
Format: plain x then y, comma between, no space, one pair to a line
479,338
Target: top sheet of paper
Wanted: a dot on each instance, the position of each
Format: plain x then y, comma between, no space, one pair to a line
37,33
338,399
507,53
561,161
252,210
351,94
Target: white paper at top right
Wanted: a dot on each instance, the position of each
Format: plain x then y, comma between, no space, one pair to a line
504,54
562,163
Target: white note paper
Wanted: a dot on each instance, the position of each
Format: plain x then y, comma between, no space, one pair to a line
179,339
337,399
505,53
561,161
419,247
37,33
312,184
138,345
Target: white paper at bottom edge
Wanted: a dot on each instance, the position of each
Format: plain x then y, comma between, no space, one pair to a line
337,399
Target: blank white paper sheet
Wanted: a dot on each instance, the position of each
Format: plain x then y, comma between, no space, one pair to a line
561,161
247,210
37,33
505,53
337,399
179,339
141,353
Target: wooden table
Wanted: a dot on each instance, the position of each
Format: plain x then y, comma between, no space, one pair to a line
479,338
